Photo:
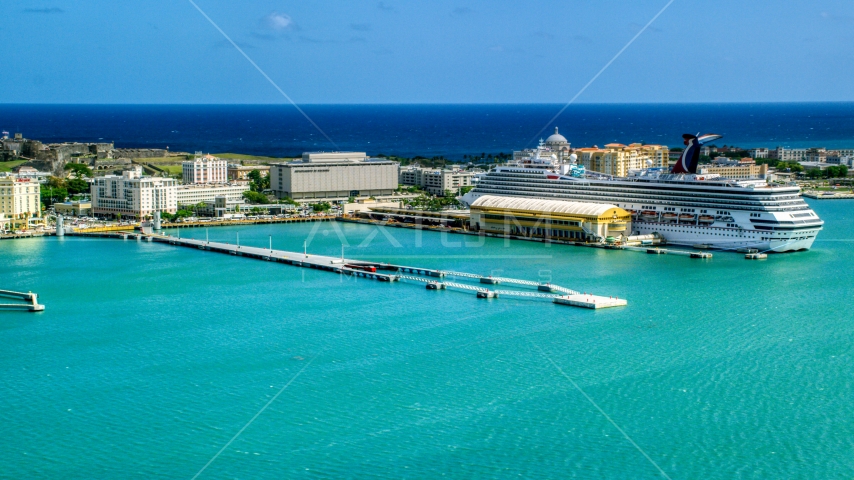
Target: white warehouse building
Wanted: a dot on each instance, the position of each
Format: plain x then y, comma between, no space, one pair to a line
196,194
334,175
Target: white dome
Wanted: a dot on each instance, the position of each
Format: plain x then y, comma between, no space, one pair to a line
556,138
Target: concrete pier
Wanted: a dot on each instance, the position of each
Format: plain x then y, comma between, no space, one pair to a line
30,297
386,272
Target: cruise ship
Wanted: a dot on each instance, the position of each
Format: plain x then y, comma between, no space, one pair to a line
680,205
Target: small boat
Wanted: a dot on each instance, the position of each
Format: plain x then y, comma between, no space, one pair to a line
670,217
649,215
686,217
746,250
702,246
756,256
707,219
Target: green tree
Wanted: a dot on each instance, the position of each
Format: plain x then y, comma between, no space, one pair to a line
255,197
80,169
76,185
814,173
321,207
831,172
257,182
51,194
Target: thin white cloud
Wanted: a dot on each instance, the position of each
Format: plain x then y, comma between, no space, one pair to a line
277,21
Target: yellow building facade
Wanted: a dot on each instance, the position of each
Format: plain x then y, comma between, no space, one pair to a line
744,171
554,219
617,159
20,200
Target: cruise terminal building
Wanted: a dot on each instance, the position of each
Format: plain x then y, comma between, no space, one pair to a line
334,176
557,219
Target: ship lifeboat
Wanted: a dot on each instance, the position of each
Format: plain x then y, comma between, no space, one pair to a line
686,217
707,219
552,177
649,215
670,217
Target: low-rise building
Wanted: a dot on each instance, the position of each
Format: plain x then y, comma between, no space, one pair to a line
30,172
789,154
758,152
20,201
436,181
204,169
836,159
617,159
241,172
819,165
556,219
334,175
75,208
133,195
196,194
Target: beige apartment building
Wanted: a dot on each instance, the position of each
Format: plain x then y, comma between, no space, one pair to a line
617,159
333,175
436,181
20,200
741,170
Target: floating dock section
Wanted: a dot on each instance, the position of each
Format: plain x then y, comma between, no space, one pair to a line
31,298
590,301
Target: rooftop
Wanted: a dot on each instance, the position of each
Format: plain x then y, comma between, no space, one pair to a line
541,205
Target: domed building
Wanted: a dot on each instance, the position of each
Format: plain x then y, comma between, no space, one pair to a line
558,144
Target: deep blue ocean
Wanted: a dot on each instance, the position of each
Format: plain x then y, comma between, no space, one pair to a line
428,130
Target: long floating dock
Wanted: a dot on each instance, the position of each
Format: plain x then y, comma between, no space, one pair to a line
30,297
385,272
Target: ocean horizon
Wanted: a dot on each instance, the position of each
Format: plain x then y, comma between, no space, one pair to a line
446,130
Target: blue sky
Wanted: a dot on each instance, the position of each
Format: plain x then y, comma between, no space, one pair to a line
88,51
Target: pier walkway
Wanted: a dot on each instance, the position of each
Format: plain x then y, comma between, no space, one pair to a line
30,297
384,272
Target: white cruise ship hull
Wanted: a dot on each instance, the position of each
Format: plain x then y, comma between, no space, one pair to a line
727,238
751,215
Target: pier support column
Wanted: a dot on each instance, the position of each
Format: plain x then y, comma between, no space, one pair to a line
60,231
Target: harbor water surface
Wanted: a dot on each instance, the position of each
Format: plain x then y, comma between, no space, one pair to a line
149,358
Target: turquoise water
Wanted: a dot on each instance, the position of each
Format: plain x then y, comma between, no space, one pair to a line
149,358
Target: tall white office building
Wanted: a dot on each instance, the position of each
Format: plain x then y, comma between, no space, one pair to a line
205,169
